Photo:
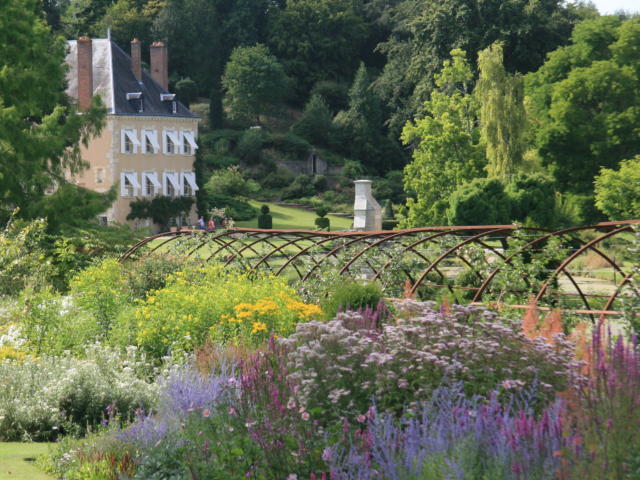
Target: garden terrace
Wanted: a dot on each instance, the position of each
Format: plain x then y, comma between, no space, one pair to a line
582,270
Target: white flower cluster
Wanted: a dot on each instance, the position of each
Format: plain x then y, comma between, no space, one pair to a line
41,396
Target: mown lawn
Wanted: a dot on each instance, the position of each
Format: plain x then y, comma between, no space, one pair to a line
17,461
294,218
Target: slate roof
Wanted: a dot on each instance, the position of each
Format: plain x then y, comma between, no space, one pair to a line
113,79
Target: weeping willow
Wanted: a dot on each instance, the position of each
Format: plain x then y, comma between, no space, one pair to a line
502,114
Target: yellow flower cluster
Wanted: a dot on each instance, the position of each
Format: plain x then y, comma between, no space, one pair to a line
9,353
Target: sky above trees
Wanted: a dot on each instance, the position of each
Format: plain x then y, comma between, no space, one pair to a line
612,6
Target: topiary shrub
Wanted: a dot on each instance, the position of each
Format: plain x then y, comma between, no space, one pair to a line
265,220
322,222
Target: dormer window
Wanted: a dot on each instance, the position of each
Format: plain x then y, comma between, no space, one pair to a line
129,141
136,99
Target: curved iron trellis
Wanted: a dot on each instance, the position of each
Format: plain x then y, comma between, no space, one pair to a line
290,242
335,250
437,261
412,246
574,255
615,294
549,234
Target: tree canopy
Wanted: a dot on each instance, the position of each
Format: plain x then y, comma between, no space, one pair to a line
40,132
253,81
585,102
446,148
618,191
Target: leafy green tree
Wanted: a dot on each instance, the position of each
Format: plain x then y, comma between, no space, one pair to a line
317,39
446,148
254,81
78,17
160,209
231,182
533,200
129,19
618,191
423,32
359,132
316,122
40,132
585,102
482,201
502,115
187,90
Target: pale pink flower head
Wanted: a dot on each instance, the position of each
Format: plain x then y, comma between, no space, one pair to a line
206,412
305,416
232,411
362,418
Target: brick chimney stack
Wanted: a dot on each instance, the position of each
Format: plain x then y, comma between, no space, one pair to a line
85,72
136,59
160,64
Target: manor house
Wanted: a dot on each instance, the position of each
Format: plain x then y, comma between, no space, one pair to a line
148,144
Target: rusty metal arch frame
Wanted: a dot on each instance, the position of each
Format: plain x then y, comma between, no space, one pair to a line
575,255
227,240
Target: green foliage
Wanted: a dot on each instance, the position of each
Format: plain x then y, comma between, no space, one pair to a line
423,33
446,145
41,133
211,302
480,202
317,39
351,295
502,115
233,207
254,81
187,90
70,206
359,131
618,191
585,102
387,211
160,209
334,93
353,169
300,187
231,183
102,291
292,145
532,200
128,19
390,187
23,260
250,145
316,122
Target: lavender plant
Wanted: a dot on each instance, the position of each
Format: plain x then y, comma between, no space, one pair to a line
452,436
340,365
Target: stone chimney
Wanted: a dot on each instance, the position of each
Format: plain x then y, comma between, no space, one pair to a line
136,59
85,72
160,64
367,214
